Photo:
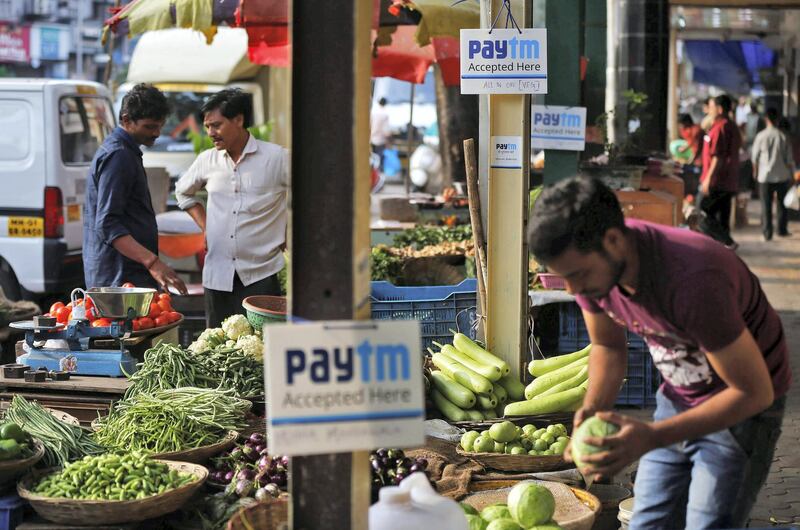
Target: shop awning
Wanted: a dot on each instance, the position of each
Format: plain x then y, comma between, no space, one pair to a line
732,65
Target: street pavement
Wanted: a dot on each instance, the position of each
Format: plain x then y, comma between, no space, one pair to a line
777,265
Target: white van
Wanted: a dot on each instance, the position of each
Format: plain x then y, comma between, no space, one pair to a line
49,132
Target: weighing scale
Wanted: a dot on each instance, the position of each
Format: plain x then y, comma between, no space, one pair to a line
75,353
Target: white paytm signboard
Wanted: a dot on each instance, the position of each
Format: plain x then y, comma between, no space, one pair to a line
506,152
504,61
554,127
343,386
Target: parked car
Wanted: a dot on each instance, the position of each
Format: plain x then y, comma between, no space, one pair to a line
51,130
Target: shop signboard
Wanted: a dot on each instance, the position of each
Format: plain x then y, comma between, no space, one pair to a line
342,386
557,127
14,44
504,61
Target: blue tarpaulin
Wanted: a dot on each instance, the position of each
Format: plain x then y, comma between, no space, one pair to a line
731,65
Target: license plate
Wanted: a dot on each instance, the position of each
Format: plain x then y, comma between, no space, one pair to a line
25,227
73,212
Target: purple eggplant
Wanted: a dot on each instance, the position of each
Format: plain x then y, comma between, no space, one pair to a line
257,438
285,461
246,474
262,479
236,453
263,463
244,488
260,448
228,477
250,453
262,495
273,490
264,452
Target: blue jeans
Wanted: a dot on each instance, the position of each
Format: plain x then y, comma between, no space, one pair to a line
711,482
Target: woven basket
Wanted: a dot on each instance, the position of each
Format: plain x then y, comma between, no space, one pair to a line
200,455
79,512
270,515
519,463
11,470
566,519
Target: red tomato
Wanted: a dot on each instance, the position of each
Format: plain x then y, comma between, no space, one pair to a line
101,323
91,314
136,324
165,296
63,314
55,307
161,320
174,316
145,322
87,302
165,306
154,310
128,284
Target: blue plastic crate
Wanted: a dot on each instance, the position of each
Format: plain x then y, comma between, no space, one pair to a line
573,335
439,308
11,511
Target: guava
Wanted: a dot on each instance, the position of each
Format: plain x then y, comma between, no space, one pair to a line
591,427
495,511
468,440
531,504
503,432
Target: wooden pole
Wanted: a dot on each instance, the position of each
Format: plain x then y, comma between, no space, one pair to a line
473,193
409,141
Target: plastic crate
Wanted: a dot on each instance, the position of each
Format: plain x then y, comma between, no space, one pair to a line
11,511
439,308
573,335
642,378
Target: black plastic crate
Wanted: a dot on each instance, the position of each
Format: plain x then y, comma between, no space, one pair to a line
190,329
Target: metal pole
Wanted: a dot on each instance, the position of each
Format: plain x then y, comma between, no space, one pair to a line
409,140
329,223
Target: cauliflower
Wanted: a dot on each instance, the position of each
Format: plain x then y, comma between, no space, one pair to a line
198,346
251,345
236,325
213,336
231,343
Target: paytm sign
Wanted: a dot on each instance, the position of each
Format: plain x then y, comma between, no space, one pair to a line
503,61
555,127
343,386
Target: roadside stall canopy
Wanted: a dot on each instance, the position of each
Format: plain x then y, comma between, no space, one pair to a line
731,65
398,50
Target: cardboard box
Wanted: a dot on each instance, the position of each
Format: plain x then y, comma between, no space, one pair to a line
668,184
654,206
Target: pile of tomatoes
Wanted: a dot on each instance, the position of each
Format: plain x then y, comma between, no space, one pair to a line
161,313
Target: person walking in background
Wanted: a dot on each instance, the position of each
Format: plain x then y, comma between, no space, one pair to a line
247,181
773,166
693,134
120,235
380,132
708,119
719,181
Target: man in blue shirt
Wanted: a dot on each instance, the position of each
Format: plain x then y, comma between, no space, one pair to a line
120,235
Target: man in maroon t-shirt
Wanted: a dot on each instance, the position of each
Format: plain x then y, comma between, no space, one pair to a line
719,181
713,335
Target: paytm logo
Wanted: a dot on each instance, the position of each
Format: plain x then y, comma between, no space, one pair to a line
381,362
506,48
557,119
506,147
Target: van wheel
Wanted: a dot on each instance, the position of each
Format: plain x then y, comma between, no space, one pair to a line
9,283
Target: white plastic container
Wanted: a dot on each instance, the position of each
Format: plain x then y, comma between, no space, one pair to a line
625,513
414,505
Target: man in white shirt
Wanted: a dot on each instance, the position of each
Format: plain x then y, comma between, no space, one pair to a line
247,181
773,166
380,131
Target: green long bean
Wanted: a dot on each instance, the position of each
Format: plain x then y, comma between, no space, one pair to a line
62,442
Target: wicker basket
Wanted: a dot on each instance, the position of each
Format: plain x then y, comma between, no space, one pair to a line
568,521
519,463
78,512
11,470
200,455
270,515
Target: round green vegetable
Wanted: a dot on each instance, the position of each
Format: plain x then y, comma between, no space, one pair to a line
528,429
468,440
495,511
12,431
475,522
503,432
483,444
540,445
499,447
518,451
531,504
547,526
547,437
591,427
503,524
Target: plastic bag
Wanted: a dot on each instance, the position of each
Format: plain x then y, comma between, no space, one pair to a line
792,198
